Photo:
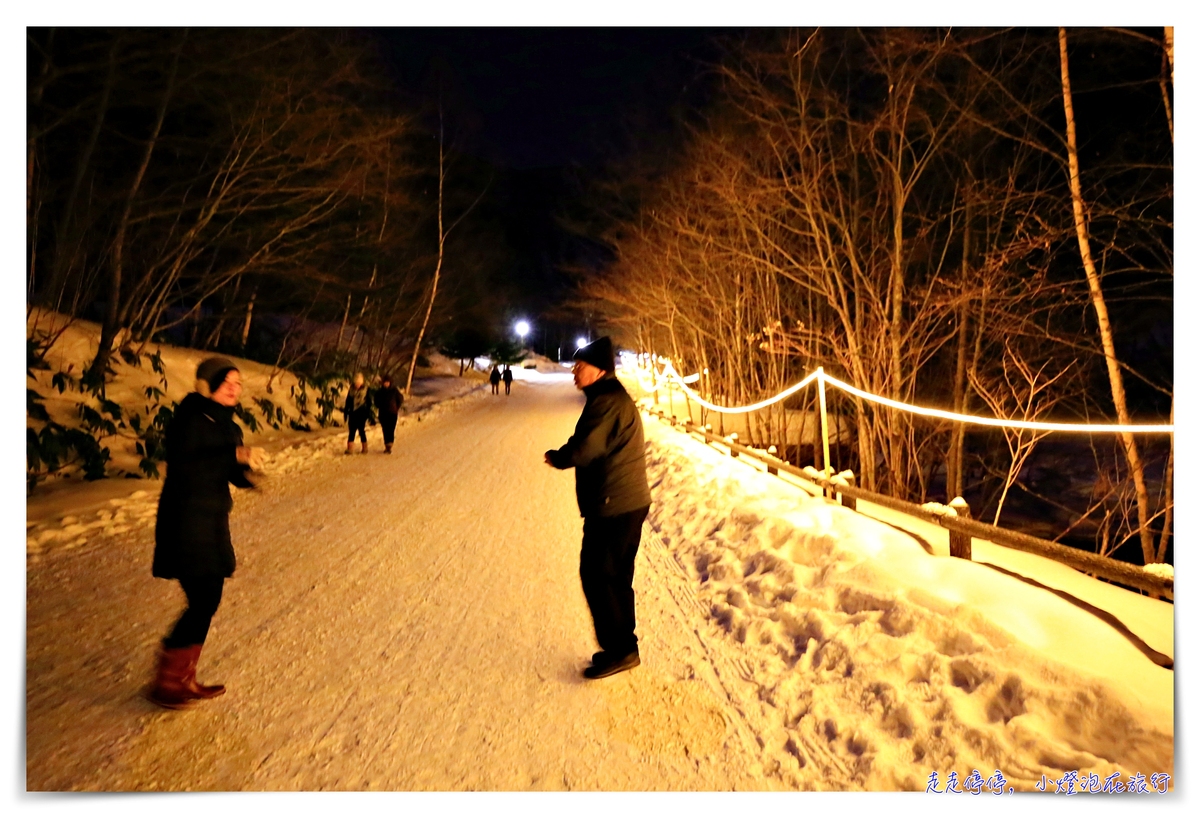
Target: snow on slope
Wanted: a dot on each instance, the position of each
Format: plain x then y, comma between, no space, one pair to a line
882,662
65,512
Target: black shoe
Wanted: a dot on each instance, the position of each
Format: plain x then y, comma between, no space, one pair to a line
606,667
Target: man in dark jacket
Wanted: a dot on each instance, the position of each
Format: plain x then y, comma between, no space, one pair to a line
388,401
607,452
494,379
508,376
191,536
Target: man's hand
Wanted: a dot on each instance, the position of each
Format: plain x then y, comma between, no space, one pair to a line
549,462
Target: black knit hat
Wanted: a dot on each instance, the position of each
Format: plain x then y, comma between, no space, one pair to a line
213,371
598,353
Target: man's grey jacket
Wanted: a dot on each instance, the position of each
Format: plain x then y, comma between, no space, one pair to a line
607,452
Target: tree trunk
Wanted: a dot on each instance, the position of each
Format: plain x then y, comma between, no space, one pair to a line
954,469
113,314
249,315
437,271
1168,495
1169,45
345,318
1115,380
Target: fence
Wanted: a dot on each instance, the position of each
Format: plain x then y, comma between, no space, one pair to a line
960,527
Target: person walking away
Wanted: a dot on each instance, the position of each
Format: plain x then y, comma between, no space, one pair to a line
495,380
508,379
388,401
191,535
607,452
357,411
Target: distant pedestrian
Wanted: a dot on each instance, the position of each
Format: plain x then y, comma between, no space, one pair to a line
357,411
388,400
495,380
607,452
507,379
191,535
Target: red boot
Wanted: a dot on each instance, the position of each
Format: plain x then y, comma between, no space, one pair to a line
170,688
195,688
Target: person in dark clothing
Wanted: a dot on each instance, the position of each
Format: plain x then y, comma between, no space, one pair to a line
495,380
507,379
388,401
357,411
191,535
607,452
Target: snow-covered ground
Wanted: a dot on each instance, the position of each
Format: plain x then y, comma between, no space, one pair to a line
878,662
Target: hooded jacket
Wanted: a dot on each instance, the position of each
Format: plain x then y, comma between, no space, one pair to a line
607,452
388,400
191,534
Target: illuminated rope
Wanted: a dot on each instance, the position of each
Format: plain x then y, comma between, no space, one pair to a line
669,373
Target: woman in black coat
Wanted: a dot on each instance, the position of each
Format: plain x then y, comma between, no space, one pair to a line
204,455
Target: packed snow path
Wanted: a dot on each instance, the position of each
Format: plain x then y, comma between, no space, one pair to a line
403,622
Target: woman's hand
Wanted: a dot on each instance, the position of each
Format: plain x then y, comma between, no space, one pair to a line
252,456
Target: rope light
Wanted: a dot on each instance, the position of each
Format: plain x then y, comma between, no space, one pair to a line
669,373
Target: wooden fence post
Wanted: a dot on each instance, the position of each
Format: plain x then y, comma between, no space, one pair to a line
848,501
771,450
960,543
733,438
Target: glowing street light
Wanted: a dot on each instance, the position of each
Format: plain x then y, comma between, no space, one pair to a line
580,342
522,329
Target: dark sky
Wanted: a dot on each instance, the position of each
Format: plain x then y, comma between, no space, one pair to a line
538,97
542,109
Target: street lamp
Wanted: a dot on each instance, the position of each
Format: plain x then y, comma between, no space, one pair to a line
580,342
522,329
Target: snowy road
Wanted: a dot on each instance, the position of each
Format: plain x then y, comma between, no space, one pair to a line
411,622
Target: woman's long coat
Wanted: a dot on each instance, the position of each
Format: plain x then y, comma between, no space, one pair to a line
191,537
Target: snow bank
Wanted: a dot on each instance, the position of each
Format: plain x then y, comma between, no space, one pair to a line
888,663
65,512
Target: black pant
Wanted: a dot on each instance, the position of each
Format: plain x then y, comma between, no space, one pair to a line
495,387
388,422
358,423
610,545
507,387
203,598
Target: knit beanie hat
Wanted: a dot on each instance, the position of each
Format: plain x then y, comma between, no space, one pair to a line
212,373
598,353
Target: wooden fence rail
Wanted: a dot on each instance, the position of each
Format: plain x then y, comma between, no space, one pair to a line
1113,570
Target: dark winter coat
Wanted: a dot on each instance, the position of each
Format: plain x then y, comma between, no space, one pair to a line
191,536
508,376
607,452
388,400
495,376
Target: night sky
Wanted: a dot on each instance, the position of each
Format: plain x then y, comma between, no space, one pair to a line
545,97
540,111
